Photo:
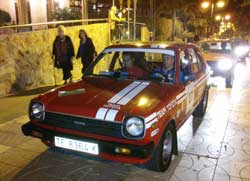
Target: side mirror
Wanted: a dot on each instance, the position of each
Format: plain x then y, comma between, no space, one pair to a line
188,78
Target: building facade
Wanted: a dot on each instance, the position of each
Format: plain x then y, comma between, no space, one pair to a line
31,11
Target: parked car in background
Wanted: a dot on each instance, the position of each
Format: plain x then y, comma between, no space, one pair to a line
220,57
126,108
241,49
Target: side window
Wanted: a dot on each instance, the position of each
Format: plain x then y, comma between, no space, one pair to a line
198,55
195,61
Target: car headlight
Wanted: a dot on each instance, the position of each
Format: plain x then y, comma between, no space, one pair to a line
241,50
225,64
133,127
36,111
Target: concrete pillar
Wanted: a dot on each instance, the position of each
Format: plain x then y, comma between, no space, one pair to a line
22,11
84,5
38,12
51,6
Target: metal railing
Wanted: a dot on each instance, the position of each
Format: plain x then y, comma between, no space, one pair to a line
55,23
124,30
47,25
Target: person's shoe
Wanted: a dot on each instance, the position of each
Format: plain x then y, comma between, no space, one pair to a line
70,79
65,82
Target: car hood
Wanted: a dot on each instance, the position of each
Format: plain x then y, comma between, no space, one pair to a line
109,99
209,56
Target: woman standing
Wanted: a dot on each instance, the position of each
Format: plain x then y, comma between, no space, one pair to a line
63,53
86,50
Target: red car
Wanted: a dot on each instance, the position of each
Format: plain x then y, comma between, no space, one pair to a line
129,105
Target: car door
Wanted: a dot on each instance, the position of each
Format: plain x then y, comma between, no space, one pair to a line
194,81
200,76
186,98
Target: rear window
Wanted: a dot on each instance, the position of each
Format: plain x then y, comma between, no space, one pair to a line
217,47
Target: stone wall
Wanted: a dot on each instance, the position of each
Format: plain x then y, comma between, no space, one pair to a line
25,58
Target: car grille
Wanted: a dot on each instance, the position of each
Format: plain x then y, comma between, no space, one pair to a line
86,125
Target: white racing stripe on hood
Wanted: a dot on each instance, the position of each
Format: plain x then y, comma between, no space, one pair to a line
101,113
123,92
121,98
133,93
106,114
111,115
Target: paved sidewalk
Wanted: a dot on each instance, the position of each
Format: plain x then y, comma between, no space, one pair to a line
15,106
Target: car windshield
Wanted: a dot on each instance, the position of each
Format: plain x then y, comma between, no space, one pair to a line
135,63
216,47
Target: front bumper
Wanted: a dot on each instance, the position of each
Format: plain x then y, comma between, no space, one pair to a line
138,154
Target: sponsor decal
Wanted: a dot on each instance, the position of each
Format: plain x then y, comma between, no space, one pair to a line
151,120
112,106
151,123
155,132
161,112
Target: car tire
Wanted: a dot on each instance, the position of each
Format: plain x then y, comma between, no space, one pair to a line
200,110
229,81
162,155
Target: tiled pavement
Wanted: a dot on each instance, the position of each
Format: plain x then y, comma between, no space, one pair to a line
215,148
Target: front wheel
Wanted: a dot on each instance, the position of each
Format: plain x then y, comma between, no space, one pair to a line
163,153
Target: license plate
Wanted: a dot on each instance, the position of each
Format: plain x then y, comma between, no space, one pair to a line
76,145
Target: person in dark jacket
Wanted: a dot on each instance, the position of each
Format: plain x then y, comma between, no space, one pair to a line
63,53
86,50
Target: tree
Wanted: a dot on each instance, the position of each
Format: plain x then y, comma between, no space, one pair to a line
193,20
241,20
65,14
4,17
171,6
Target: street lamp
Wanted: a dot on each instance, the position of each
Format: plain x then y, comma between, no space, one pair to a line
227,17
220,4
218,17
206,4
135,9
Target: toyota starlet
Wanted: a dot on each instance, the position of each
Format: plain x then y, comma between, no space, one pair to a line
128,106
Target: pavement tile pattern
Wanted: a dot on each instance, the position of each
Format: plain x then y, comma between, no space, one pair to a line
216,147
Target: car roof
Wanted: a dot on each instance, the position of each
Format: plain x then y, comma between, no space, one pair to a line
215,40
154,44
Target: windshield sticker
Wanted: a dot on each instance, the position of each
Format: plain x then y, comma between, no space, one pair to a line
71,92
